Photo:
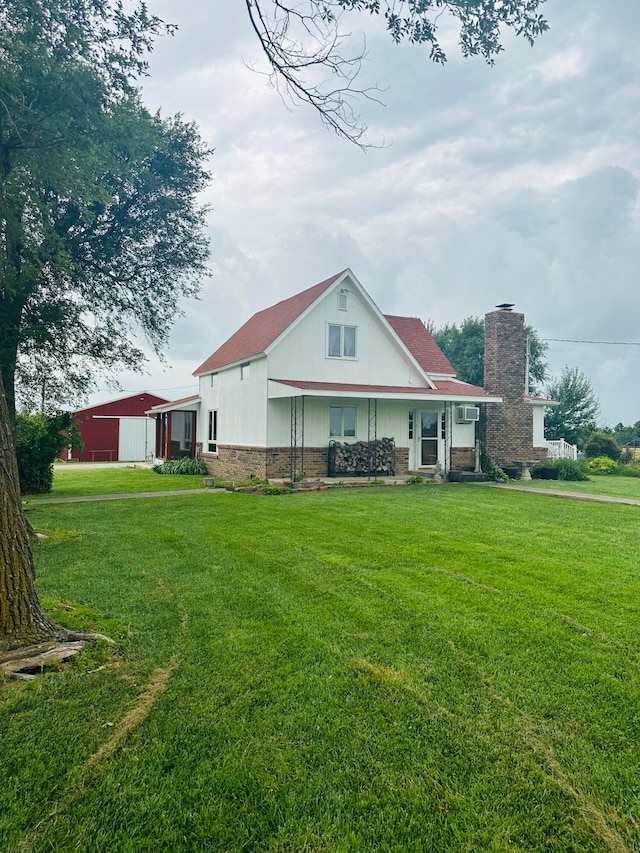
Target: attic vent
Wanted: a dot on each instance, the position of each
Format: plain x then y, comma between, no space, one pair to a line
342,299
467,414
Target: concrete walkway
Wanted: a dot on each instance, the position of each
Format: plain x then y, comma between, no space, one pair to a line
559,493
123,497
554,493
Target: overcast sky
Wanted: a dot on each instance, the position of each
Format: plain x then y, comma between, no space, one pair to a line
516,183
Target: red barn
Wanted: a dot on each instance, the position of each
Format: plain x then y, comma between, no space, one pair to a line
117,431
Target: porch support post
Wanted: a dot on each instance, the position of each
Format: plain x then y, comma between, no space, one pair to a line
448,435
296,450
167,437
372,428
157,444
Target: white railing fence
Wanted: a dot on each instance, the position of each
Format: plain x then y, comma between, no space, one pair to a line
561,449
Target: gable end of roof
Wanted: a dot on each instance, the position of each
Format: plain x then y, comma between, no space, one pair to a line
263,328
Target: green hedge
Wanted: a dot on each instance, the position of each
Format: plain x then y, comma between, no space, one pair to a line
568,469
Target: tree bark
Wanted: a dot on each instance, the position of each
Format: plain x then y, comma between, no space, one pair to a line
22,621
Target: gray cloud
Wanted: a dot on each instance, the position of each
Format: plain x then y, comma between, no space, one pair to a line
517,182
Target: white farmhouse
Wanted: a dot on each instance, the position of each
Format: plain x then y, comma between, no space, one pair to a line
320,370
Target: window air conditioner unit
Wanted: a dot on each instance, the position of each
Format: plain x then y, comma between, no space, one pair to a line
467,414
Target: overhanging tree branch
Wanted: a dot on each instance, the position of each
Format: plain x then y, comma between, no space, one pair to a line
308,49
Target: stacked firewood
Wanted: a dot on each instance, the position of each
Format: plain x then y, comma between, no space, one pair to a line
365,457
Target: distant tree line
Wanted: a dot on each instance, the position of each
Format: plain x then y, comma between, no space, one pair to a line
627,435
464,347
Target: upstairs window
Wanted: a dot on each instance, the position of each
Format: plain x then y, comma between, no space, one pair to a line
214,380
245,369
341,341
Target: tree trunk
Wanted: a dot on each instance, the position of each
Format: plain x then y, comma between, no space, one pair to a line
22,621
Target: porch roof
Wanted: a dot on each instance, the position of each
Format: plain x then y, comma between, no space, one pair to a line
447,390
188,404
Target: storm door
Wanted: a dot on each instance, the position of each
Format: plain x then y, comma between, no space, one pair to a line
429,424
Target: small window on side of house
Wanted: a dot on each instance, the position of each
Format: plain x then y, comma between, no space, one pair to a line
443,426
411,423
212,431
342,300
214,380
245,370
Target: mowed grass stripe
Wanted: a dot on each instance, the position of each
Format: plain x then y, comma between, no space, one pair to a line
386,669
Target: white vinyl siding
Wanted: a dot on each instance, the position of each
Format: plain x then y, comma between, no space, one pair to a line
241,406
303,353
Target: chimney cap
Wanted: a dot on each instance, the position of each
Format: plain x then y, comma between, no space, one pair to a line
506,306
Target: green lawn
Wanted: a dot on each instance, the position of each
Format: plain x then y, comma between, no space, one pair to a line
619,487
398,669
76,480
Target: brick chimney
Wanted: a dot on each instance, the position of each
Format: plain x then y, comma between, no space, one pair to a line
508,427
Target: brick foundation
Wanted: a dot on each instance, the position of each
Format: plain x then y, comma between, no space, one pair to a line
463,458
274,463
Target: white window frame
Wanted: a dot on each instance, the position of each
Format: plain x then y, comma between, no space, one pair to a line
342,433
212,431
245,370
342,328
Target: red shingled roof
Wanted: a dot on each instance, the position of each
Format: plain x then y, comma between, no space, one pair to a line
263,328
169,404
420,344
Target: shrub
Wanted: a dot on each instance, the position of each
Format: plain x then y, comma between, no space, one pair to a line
601,465
544,471
631,470
565,469
570,469
415,480
493,471
182,466
39,440
600,444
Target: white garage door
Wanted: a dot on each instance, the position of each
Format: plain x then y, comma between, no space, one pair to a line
137,439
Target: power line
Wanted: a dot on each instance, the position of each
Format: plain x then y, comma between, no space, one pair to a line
607,343
148,390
